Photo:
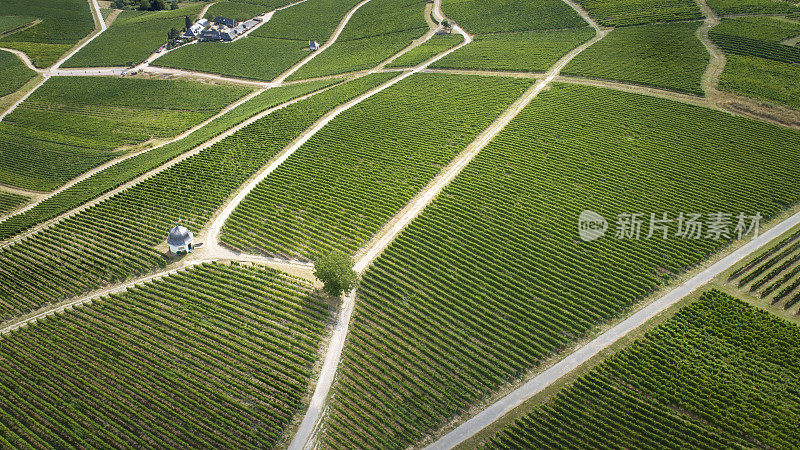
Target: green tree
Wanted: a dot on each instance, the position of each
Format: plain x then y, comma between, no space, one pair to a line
173,34
187,21
158,5
144,5
335,270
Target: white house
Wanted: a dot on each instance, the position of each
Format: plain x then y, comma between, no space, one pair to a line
197,28
180,239
313,45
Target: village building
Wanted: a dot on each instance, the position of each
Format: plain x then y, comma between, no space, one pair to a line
313,45
180,239
228,35
197,28
225,21
210,35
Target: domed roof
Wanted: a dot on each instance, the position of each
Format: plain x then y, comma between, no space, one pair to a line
179,235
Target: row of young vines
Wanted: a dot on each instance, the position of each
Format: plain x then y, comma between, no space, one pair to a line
493,277
116,238
216,356
719,374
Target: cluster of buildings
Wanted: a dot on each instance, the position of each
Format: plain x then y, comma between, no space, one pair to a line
221,29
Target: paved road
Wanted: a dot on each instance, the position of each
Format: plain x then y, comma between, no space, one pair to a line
583,354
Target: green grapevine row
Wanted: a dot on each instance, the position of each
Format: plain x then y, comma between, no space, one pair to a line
662,55
762,78
121,173
71,124
752,6
116,238
13,73
527,51
638,12
356,55
719,374
775,274
10,201
378,30
215,356
338,189
763,257
482,17
739,45
432,47
492,278
63,24
770,29
314,20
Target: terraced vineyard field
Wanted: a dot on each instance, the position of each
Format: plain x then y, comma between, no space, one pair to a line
719,374
120,173
338,189
527,51
664,55
76,256
72,124
63,24
638,12
131,38
13,73
492,279
180,361
9,201
481,17
378,30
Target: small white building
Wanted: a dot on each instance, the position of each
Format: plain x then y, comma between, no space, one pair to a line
180,239
313,45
